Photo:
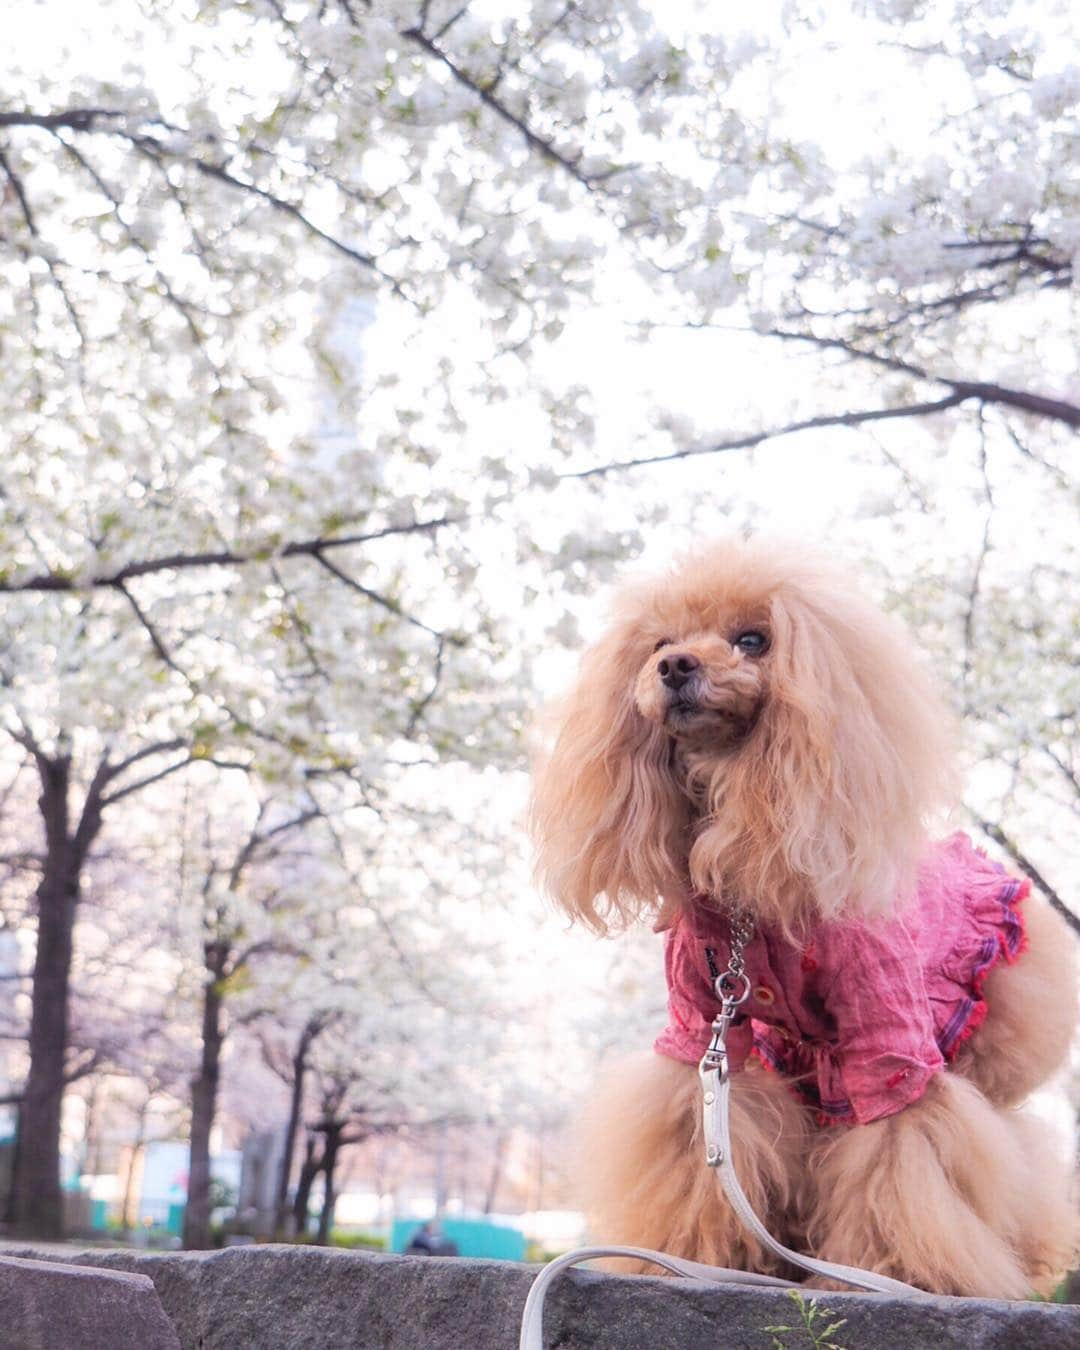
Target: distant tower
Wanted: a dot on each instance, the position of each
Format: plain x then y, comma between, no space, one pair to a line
335,414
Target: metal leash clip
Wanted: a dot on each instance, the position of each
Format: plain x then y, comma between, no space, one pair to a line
732,988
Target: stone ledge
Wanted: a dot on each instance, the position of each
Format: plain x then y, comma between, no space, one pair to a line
48,1306
309,1298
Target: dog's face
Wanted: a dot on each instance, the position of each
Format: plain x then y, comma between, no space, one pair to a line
749,725
707,647
706,686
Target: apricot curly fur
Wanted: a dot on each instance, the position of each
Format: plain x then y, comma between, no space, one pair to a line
803,774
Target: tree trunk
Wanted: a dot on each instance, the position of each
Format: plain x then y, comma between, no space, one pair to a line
87,1160
498,1155
36,1199
441,1184
333,1129
129,1180
204,1090
8,1211
540,1168
309,1170
281,1212
38,1202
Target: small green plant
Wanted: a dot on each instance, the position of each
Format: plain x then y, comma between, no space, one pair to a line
1060,1295
357,1240
819,1337
536,1251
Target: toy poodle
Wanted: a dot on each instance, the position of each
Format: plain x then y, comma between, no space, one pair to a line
753,737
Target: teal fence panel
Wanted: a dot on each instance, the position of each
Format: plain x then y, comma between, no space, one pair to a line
473,1237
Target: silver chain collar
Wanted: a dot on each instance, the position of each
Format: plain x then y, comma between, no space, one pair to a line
732,988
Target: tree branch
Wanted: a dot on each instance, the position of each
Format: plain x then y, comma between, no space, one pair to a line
998,835
374,596
287,208
88,120
545,148
152,633
179,562
110,798
88,1065
257,838
157,748
748,442
17,187
984,390
77,119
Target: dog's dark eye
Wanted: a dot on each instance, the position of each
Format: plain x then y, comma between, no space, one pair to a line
752,642
664,642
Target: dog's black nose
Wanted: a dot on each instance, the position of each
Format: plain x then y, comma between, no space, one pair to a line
676,669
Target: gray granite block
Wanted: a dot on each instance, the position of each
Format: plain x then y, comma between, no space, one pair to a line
45,1305
310,1298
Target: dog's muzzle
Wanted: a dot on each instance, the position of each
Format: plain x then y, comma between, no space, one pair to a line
677,669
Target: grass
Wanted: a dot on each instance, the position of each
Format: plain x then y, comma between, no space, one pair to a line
809,1328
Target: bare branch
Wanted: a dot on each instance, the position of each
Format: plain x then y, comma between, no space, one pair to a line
1061,478
155,637
421,705
985,391
300,625
179,562
87,1066
110,798
976,574
20,193
374,596
77,119
256,839
156,748
998,835
1066,772
851,419
287,208
545,148
111,121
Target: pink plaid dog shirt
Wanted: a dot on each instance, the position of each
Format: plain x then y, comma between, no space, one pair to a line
862,1015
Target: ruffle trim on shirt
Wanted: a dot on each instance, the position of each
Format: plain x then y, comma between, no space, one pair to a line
1007,943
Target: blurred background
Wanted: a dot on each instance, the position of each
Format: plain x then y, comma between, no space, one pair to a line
350,349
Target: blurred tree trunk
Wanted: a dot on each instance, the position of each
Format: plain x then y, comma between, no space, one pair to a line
204,1090
37,1200
541,1167
309,1170
129,1179
441,1184
7,1214
498,1156
281,1214
331,1130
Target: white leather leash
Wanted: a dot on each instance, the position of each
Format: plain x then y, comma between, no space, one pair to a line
532,1321
732,989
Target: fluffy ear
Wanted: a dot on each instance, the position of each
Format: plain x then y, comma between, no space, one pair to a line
609,825
823,811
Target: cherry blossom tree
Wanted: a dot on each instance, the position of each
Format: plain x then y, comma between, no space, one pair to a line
224,542
246,890
395,1021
